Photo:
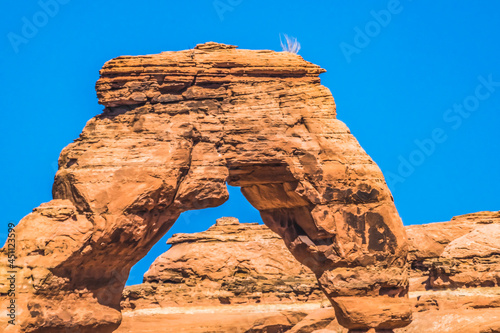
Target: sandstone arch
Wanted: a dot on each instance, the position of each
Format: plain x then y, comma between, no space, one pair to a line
178,126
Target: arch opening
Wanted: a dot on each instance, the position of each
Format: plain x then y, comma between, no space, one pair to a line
194,221
177,127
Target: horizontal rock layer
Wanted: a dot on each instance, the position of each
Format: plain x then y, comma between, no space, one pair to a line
176,128
464,252
230,263
246,263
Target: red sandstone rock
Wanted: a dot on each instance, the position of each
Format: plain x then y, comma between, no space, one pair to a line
277,324
429,240
230,263
203,322
483,242
455,321
163,282
315,321
178,126
464,252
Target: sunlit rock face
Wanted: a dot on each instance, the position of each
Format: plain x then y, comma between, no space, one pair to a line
230,263
461,253
176,128
454,280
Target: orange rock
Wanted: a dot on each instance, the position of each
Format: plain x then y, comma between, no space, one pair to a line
454,321
278,323
203,322
176,279
178,126
429,240
316,320
230,263
464,252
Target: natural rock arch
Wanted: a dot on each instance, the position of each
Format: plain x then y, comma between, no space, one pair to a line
178,126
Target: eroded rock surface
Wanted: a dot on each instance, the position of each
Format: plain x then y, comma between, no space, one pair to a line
316,320
189,276
464,252
278,323
177,126
230,263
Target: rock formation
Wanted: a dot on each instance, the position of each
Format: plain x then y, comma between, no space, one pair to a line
464,252
454,279
177,126
230,263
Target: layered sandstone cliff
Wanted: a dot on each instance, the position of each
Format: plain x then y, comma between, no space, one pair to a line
455,278
230,263
464,252
176,128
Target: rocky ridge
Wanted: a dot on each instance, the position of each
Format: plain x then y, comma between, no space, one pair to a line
230,263
244,271
464,252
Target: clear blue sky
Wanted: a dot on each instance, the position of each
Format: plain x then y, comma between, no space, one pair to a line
399,83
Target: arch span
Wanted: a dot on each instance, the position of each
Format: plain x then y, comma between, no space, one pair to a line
178,126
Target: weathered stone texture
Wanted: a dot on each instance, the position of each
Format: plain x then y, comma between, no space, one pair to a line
189,275
464,252
230,263
178,126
